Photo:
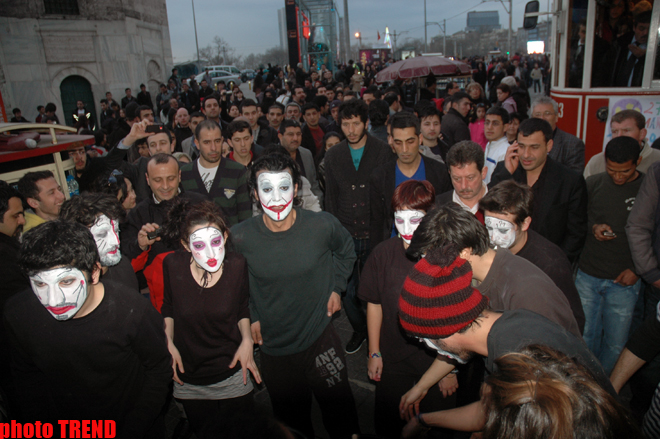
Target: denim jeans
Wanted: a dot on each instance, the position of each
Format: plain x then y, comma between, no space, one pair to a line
352,304
608,309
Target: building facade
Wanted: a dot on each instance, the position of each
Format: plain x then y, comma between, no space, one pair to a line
61,51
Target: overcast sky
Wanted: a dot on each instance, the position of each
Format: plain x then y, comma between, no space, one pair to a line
251,26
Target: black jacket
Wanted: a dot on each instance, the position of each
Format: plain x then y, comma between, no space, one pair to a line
559,213
381,190
267,135
308,139
614,63
454,128
347,189
126,100
144,98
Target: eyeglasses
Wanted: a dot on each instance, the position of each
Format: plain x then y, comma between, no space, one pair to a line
546,114
113,176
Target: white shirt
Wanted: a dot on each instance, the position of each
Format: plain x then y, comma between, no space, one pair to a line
495,152
207,174
473,209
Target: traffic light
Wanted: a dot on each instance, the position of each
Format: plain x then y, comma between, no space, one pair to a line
507,52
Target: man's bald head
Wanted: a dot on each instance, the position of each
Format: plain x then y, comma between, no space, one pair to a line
182,117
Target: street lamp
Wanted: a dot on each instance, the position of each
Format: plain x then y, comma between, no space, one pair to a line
358,35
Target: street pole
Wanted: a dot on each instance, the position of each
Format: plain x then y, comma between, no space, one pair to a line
426,44
444,37
510,26
195,23
347,33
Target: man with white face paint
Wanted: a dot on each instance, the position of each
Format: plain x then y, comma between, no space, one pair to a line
102,213
439,306
69,313
298,261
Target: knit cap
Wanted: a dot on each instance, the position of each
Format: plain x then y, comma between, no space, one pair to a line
437,298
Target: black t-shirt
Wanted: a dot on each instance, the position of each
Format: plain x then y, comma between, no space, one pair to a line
553,261
517,329
381,282
110,364
123,274
515,283
206,319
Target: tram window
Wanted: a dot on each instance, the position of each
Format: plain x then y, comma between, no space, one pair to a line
578,32
620,43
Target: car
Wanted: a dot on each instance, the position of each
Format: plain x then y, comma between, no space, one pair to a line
220,75
231,69
248,75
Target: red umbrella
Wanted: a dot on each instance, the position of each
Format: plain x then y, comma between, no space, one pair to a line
422,66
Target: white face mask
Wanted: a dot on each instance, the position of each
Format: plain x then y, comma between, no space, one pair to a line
406,222
275,191
106,235
433,346
61,290
502,233
207,246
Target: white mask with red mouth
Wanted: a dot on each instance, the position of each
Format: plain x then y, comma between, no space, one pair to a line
406,222
207,246
275,190
105,231
62,291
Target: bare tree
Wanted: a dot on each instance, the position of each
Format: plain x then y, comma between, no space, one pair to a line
220,52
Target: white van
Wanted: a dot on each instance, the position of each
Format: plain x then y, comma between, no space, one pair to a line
231,69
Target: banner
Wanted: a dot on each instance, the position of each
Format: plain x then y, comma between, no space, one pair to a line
649,106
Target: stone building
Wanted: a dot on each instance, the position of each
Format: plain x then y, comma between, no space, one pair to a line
62,51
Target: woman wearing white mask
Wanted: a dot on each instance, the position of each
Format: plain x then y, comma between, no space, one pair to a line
396,361
207,320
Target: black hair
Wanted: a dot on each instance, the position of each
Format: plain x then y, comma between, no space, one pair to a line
206,125
428,111
378,112
533,125
459,96
27,185
142,85
247,103
310,106
7,193
126,89
142,108
642,17
404,120
353,108
372,90
622,150
237,126
106,185
58,243
161,159
449,224
391,98
85,208
104,101
465,152
509,197
521,117
39,107
132,111
321,100
16,110
276,105
50,107
274,159
288,123
185,214
209,97
499,111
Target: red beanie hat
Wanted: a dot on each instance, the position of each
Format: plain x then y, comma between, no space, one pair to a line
437,298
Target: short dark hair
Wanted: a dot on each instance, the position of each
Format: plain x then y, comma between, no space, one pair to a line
504,88
127,89
404,120
197,114
459,96
533,125
27,185
276,105
161,159
321,100
378,112
58,243
353,108
7,193
501,112
16,110
50,107
424,111
142,85
106,185
206,125
391,98
465,152
39,107
509,197
209,97
452,225
372,90
103,101
642,17
247,103
132,111
638,117
622,150
85,208
274,162
520,117
288,123
237,126
310,106
449,86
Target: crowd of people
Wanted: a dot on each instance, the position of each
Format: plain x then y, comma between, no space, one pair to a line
460,233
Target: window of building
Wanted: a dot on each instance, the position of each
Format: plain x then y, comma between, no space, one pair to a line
62,7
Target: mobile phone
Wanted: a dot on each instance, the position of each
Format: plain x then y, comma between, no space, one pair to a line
155,128
154,234
610,234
